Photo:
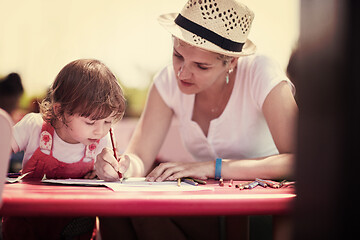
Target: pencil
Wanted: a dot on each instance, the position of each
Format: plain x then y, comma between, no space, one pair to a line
197,180
190,181
179,182
114,149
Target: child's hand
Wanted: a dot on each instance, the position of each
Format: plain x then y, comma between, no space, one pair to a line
108,168
90,175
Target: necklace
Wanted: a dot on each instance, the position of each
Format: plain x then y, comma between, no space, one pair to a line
222,101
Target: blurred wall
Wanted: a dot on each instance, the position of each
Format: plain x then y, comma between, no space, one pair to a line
38,37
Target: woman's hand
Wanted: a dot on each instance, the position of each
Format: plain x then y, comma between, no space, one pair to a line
108,168
175,170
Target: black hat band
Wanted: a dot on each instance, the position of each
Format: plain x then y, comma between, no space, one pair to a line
209,35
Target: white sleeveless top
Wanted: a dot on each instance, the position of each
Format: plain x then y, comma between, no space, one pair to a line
241,131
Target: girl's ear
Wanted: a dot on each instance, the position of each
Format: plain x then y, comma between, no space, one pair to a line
56,109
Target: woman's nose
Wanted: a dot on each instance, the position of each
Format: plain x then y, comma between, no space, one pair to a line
183,72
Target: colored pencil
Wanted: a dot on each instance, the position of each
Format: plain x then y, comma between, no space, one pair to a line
114,149
190,181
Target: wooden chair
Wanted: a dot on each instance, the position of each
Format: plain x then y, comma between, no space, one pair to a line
5,147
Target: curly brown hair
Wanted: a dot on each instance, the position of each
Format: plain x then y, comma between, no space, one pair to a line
85,87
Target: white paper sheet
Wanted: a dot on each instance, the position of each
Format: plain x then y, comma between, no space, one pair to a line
131,184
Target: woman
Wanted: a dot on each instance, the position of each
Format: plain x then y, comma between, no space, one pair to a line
232,106
236,112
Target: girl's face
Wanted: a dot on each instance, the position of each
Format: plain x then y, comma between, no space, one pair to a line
196,69
83,130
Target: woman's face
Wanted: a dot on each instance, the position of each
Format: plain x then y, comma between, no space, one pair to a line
196,69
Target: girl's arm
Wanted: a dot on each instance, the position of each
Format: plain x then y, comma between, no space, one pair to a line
145,142
280,111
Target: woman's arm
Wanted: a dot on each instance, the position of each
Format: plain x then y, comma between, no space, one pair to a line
280,111
151,130
145,142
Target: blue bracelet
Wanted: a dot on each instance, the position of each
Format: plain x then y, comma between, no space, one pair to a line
218,168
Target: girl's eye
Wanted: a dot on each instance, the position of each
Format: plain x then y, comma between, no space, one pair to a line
108,122
90,123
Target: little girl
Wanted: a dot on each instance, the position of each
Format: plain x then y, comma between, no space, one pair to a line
63,140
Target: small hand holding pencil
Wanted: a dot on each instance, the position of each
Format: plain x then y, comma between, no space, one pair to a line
113,165
114,149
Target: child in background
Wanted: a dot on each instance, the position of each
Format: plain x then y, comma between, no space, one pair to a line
11,89
63,140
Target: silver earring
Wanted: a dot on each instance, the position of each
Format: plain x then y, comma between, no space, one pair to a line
227,75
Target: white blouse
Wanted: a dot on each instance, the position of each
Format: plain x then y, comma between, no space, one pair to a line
241,131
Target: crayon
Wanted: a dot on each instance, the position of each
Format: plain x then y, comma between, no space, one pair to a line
231,183
252,185
282,183
288,184
261,183
179,182
199,181
221,182
272,184
241,186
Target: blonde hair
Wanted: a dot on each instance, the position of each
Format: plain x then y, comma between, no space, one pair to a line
85,87
224,58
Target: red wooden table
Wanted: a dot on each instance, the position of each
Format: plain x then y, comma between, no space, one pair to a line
39,199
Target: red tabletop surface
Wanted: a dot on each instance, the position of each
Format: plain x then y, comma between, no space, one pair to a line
39,199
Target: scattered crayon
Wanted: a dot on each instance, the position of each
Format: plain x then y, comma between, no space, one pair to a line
241,186
231,183
252,184
261,183
221,182
288,184
272,184
179,182
282,183
199,181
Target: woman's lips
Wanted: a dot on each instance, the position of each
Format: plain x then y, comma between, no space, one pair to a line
186,84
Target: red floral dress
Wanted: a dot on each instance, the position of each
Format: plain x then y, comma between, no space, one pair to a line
43,163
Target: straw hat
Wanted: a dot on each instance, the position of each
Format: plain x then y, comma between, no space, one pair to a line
220,26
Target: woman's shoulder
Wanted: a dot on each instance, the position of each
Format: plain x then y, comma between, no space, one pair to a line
256,60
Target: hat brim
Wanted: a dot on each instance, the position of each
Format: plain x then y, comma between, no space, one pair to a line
167,21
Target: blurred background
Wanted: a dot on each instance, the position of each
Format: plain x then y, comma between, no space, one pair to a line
39,37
